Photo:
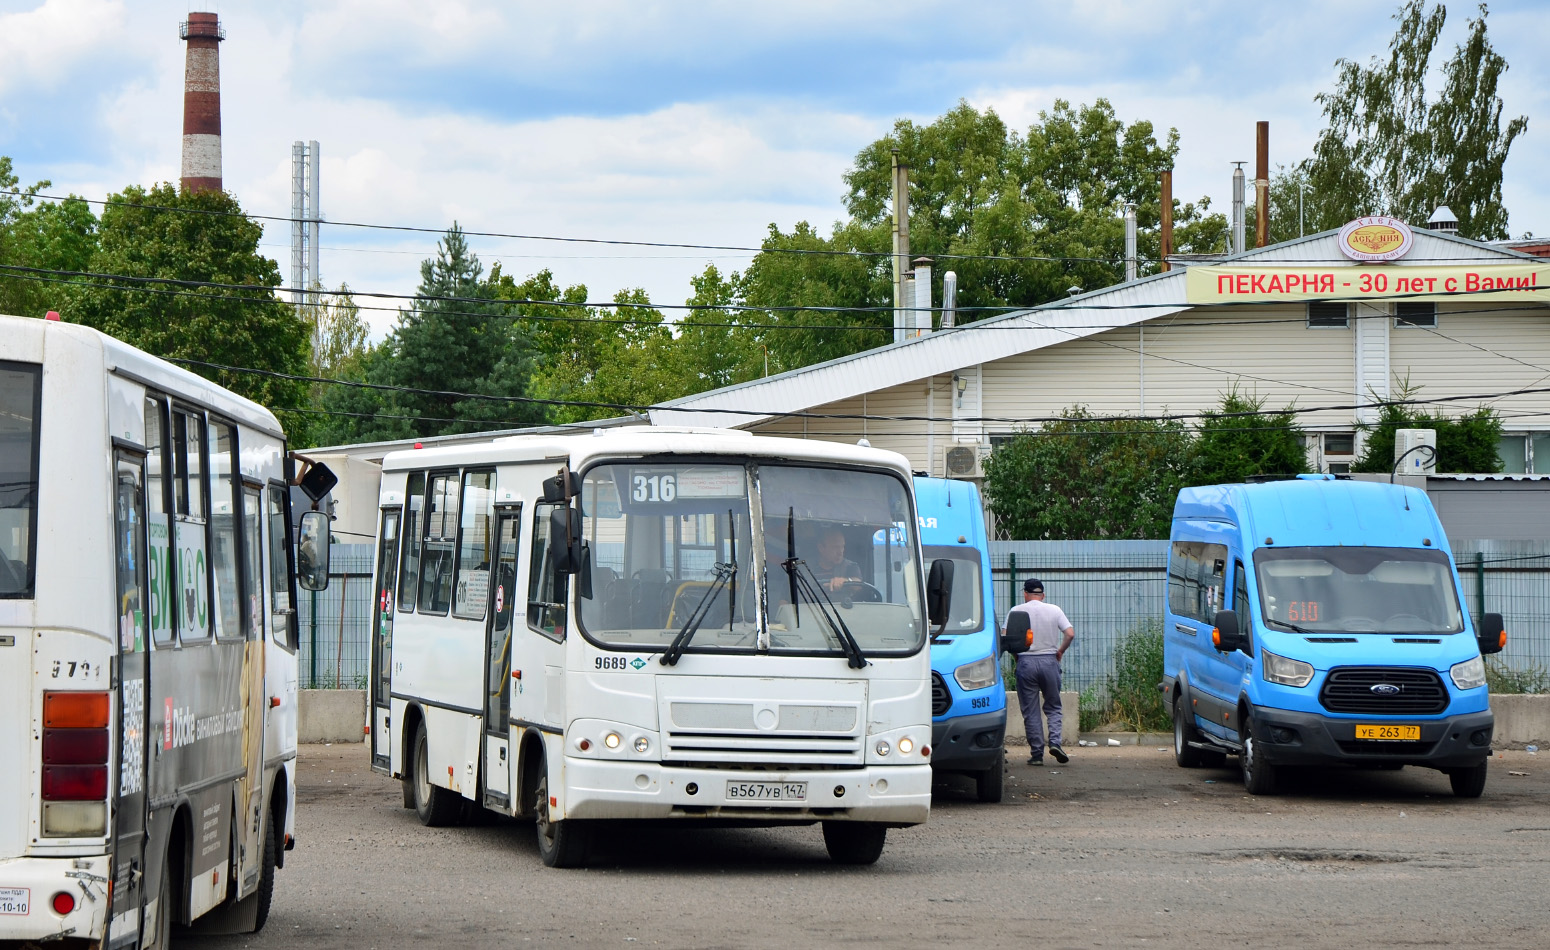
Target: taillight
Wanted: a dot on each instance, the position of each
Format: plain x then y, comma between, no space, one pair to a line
75,763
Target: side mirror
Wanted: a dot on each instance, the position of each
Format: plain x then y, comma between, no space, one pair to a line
561,488
312,551
1226,637
1492,634
1015,640
939,591
565,540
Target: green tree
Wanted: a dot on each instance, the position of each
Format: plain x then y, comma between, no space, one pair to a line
458,342
1085,476
51,235
713,347
1465,443
1239,439
148,234
1389,149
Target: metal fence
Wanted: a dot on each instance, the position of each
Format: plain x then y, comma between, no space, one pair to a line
335,643
1108,588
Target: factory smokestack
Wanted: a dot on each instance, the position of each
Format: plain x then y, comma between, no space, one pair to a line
202,102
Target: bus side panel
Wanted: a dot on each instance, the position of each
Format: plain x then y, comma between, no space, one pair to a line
16,781
453,758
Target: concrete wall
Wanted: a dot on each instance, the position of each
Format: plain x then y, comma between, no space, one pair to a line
331,715
339,715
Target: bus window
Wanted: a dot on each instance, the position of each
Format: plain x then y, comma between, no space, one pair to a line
253,575
409,562
473,557
20,386
280,570
223,530
129,545
545,592
192,585
440,541
157,525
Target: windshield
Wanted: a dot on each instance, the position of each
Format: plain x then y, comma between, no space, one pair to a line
854,535
670,545
968,608
1358,590
19,392
656,533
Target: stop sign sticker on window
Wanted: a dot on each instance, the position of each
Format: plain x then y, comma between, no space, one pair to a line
500,598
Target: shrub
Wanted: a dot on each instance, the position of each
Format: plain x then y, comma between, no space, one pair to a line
1134,699
1501,678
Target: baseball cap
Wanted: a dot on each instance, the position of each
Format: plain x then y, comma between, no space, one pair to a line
1033,586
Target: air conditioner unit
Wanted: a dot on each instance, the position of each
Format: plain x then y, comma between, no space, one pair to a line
1415,451
964,460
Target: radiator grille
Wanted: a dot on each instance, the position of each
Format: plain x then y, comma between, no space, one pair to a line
743,735
941,699
1349,689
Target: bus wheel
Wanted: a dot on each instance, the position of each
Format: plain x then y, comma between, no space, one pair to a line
987,784
1259,776
854,842
1468,783
435,806
265,892
1184,732
561,844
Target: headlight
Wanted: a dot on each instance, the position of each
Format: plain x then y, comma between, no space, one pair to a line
1469,674
977,675
1286,672
611,740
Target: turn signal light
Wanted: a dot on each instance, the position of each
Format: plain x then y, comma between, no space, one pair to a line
75,710
1501,643
1216,636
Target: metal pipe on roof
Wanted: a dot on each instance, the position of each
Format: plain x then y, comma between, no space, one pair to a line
949,300
1237,208
922,312
1131,270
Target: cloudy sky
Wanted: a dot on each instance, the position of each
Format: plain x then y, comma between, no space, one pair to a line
680,122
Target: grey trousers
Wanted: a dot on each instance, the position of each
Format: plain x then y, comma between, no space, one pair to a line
1039,674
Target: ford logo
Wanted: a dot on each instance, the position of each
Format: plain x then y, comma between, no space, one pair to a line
1385,689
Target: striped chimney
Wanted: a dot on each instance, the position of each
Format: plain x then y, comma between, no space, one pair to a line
202,102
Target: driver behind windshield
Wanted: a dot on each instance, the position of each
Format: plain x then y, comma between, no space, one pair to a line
833,569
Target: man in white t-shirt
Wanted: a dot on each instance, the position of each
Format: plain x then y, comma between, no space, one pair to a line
1038,670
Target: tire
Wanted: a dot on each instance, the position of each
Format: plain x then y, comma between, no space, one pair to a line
1468,782
988,784
265,892
854,842
561,844
1185,755
1259,776
436,806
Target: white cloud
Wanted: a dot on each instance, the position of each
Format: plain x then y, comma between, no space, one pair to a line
43,47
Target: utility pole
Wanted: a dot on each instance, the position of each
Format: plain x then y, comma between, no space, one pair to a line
1166,225
901,248
1261,184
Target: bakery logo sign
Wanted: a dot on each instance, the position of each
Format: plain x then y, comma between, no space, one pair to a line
1376,239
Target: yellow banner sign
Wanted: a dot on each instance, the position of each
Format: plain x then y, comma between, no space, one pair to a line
1521,282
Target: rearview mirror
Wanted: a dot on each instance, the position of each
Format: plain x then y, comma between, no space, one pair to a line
312,551
1492,634
939,591
561,488
565,540
1226,637
1015,640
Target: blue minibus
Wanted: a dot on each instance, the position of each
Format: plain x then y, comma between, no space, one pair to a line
1319,621
968,696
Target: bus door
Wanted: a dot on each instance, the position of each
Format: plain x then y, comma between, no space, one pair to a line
132,609
382,648
254,693
497,659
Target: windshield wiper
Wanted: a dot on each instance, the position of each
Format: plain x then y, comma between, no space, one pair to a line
1291,626
724,572
804,581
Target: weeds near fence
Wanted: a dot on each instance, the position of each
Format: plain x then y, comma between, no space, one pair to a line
1500,678
1133,698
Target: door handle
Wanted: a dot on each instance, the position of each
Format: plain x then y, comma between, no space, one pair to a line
1187,629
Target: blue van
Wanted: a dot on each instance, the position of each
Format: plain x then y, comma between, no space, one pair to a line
1316,621
968,696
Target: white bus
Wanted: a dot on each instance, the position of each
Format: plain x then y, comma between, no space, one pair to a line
147,645
715,626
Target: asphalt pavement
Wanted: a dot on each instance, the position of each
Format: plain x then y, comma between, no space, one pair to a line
1118,848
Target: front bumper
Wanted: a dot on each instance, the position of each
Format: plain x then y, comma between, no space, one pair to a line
86,879
897,794
1455,742
968,743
